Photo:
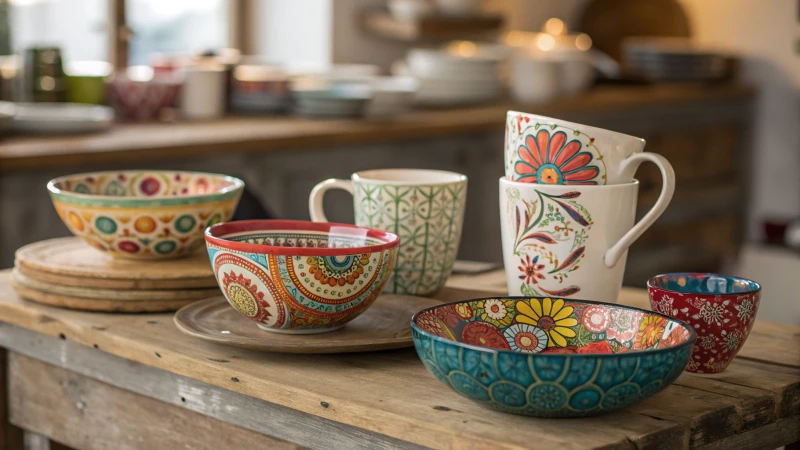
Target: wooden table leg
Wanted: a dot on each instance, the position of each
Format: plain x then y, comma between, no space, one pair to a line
11,437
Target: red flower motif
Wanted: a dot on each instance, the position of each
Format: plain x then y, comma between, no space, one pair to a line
546,159
530,268
596,348
484,335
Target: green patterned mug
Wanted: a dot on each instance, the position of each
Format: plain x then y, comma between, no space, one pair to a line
424,207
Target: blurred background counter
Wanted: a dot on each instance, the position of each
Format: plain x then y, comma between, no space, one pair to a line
702,129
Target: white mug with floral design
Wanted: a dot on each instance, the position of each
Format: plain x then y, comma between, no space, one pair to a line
424,207
572,241
542,150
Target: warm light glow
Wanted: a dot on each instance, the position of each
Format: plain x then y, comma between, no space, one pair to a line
466,49
555,27
515,38
545,42
583,42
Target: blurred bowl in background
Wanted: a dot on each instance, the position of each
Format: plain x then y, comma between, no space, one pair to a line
316,97
86,81
459,7
139,94
411,10
259,89
535,80
392,96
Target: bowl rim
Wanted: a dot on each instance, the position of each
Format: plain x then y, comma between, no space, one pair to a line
689,342
754,290
391,240
159,200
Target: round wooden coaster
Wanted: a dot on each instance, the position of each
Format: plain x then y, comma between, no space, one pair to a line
385,325
62,301
116,295
71,262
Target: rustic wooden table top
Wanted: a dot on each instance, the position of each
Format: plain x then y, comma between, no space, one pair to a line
158,141
755,403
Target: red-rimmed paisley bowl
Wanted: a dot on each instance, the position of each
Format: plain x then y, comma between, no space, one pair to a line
721,309
300,277
549,357
144,214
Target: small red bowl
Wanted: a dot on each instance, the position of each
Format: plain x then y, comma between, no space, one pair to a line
721,309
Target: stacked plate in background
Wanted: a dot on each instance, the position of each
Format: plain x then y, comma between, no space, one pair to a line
673,60
462,73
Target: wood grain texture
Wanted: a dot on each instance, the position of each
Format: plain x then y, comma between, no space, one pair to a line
222,404
71,262
384,325
11,437
117,295
91,415
769,437
127,143
390,393
98,305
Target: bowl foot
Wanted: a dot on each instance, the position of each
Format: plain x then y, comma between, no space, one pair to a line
310,331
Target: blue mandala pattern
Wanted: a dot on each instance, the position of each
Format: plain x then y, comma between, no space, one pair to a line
550,385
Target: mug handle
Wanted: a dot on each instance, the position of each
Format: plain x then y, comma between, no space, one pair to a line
315,207
614,253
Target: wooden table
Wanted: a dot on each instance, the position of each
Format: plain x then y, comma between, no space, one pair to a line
102,381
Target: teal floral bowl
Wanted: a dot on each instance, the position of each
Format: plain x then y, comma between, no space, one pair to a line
544,357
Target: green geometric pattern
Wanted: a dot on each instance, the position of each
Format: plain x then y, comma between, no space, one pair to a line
428,219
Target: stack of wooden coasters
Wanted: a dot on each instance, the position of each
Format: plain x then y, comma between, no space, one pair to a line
68,273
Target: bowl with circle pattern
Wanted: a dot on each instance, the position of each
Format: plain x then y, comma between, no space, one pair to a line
549,357
144,214
300,277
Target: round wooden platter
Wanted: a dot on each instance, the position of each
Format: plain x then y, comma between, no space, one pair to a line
88,304
117,295
71,262
384,325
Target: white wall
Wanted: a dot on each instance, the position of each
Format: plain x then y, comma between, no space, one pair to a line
293,30
764,33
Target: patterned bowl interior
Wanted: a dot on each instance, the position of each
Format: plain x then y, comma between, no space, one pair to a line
146,184
337,237
545,325
704,283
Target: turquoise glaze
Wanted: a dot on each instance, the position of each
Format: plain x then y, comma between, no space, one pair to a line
580,382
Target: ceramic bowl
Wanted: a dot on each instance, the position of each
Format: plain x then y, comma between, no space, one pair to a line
544,357
721,310
300,277
140,94
144,214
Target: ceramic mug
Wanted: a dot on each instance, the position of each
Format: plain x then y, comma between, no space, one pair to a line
572,241
542,150
424,207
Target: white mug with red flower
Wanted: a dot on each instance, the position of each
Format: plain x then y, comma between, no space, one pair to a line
572,241
543,150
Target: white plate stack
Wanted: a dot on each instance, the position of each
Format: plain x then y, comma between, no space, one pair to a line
673,59
460,74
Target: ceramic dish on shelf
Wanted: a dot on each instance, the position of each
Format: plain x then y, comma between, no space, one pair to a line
140,94
459,8
62,118
411,10
7,112
144,214
323,98
259,89
391,96
298,277
548,357
720,308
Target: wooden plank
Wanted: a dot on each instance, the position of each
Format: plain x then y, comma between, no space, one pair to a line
391,393
202,398
91,415
11,437
388,393
769,437
127,143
